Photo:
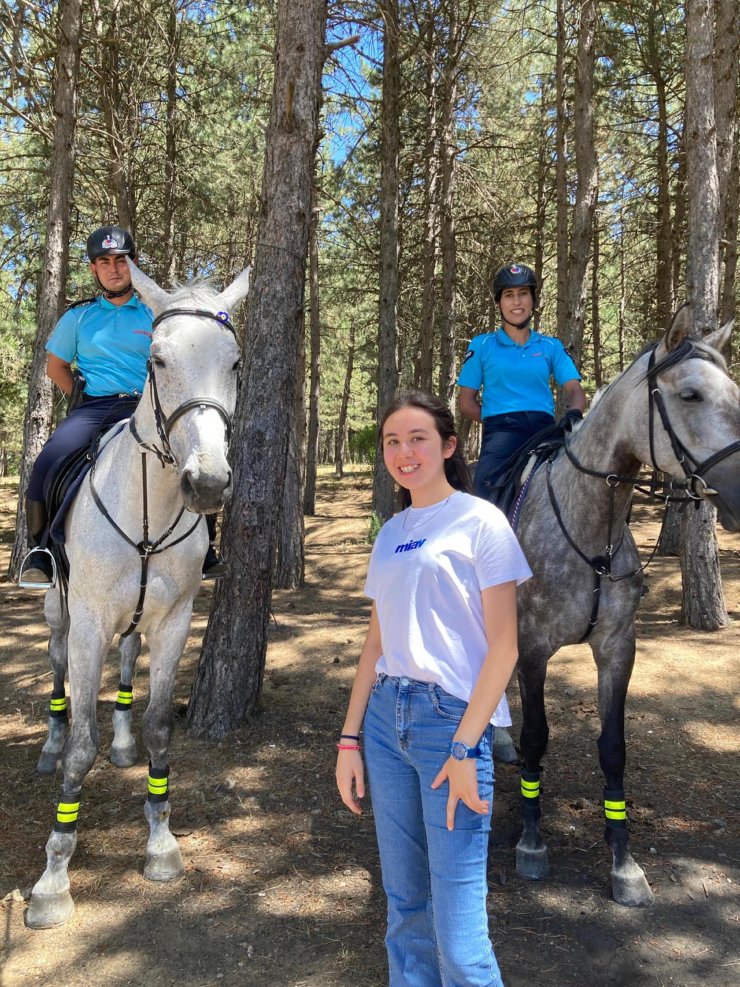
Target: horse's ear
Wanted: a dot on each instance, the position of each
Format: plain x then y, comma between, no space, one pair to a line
720,338
237,290
151,294
682,325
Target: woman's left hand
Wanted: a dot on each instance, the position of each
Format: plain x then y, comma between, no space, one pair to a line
462,777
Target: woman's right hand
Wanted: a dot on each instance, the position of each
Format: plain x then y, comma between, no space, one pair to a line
350,775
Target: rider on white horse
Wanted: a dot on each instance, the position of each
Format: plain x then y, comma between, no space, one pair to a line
514,366
107,339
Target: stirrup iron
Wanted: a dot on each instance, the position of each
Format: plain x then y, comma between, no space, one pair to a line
35,584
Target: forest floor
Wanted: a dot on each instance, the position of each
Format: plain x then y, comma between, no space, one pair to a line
281,887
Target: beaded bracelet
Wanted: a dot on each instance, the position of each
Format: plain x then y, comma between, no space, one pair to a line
348,747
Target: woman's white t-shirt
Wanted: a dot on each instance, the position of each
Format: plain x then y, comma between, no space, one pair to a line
427,569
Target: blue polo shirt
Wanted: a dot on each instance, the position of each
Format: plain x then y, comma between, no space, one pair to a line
110,344
516,378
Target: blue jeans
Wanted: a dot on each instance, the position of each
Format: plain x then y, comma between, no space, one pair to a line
503,435
435,880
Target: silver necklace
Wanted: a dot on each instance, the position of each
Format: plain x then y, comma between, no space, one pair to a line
424,520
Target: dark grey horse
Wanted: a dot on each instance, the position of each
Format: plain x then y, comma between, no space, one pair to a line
676,409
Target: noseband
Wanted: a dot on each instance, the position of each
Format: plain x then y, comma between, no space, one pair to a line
163,422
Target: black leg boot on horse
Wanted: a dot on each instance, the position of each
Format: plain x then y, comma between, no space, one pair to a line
214,565
38,570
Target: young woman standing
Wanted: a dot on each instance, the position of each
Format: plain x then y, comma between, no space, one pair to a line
440,649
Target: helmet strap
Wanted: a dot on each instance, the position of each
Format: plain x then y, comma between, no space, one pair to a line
113,294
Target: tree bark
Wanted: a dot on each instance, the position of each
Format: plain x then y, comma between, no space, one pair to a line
447,236
312,443
170,160
387,379
229,678
586,184
344,407
51,298
425,361
291,556
703,606
561,173
664,300
595,312
109,81
727,305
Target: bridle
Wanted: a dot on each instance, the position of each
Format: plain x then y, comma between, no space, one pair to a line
165,455
601,565
164,422
693,476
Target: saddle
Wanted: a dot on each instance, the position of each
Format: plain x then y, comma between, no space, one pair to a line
510,490
65,478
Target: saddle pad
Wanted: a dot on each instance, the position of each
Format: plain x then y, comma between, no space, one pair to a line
65,479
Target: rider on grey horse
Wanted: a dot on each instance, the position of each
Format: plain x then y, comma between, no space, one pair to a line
107,340
513,366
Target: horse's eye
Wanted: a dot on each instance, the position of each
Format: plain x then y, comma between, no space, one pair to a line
158,362
237,366
689,394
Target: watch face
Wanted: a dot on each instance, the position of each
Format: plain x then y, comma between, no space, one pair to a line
459,750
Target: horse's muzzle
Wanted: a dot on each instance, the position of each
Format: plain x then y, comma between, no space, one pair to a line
205,493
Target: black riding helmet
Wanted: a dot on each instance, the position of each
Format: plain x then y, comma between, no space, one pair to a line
515,276
110,240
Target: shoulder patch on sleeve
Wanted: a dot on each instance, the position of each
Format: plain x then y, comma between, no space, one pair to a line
467,356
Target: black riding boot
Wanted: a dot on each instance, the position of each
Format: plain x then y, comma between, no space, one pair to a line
37,569
214,565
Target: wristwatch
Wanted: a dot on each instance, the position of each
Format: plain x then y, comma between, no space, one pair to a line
460,750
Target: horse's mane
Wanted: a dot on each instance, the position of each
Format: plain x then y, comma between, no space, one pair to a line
692,346
198,294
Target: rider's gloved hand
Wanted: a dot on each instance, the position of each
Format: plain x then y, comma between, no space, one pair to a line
570,418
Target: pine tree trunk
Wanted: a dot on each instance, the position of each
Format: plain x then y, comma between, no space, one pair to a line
664,241
595,312
291,556
111,99
38,417
703,603
383,497
447,236
425,360
342,423
228,680
561,173
727,306
170,160
669,542
312,443
586,184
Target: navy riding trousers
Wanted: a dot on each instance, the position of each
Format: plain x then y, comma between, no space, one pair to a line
76,431
503,435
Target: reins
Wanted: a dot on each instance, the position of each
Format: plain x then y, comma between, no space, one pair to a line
146,548
601,565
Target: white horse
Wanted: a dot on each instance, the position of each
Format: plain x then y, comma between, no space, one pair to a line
135,539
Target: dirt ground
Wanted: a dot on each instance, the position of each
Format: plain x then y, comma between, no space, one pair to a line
282,885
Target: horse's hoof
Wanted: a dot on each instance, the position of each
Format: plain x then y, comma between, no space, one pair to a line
48,910
532,864
504,750
123,757
164,866
47,763
634,892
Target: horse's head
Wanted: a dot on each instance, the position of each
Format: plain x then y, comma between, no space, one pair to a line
193,378
696,415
